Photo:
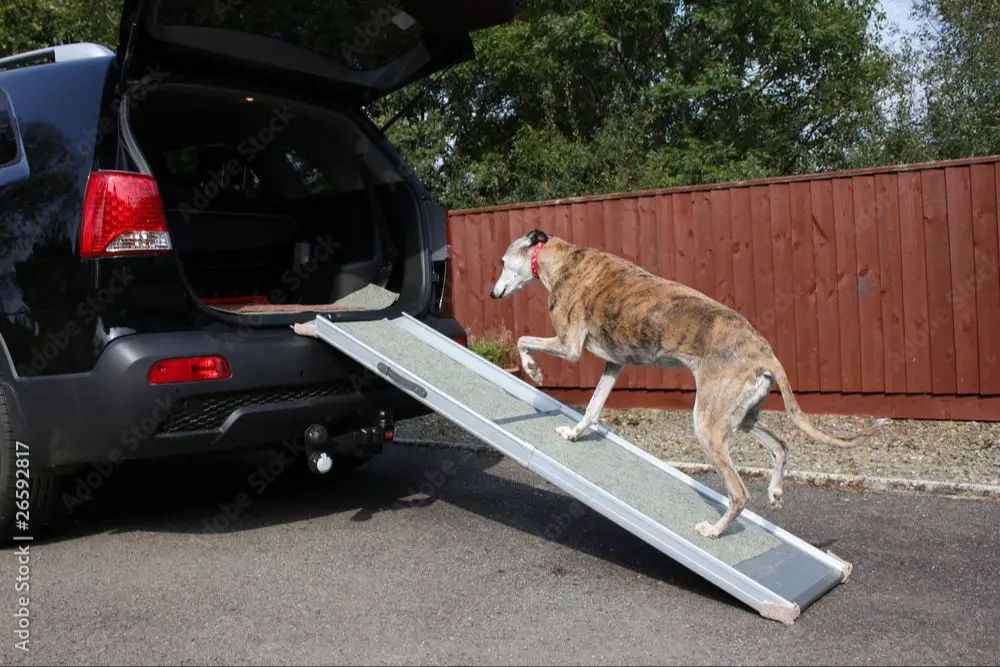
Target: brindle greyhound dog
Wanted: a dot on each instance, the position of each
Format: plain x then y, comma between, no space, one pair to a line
625,315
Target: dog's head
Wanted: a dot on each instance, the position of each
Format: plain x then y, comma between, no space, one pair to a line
516,264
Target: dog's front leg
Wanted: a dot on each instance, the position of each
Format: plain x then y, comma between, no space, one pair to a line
600,396
569,349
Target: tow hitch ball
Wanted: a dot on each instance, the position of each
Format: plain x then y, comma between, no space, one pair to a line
359,444
319,461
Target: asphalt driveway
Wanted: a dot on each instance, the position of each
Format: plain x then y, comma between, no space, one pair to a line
227,562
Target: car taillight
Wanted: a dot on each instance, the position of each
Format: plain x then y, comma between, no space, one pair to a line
189,369
122,214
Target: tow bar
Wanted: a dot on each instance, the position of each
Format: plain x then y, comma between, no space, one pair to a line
360,444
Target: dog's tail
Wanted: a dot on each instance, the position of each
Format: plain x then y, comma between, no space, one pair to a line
800,419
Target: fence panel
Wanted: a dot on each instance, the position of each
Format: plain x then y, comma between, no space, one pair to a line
878,289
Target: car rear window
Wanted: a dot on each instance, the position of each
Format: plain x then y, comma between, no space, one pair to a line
359,34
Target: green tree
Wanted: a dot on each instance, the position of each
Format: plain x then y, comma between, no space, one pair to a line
581,96
962,76
33,24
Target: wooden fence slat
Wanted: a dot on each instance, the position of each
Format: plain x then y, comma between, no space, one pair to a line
486,272
784,282
744,299
704,258
804,267
891,278
939,291
666,255
917,345
628,226
847,285
985,186
763,262
827,312
869,288
474,292
500,238
684,239
963,279
722,246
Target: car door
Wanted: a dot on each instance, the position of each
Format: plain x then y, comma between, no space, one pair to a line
355,50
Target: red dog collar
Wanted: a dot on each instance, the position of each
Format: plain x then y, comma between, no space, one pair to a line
534,259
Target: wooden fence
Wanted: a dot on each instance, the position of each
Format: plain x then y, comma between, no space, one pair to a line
879,289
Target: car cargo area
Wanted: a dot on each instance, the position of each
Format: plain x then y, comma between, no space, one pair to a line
277,207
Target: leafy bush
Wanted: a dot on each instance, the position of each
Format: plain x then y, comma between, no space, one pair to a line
496,345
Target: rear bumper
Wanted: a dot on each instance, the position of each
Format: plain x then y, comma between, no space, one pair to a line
281,383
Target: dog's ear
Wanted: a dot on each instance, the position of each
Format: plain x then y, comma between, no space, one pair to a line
536,236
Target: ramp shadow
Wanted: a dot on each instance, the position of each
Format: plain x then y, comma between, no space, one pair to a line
203,495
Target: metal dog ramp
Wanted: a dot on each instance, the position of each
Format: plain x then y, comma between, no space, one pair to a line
767,568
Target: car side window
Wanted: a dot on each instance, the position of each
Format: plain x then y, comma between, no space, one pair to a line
9,153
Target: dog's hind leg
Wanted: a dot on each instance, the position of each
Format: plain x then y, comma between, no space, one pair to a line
715,439
720,406
597,400
779,451
775,445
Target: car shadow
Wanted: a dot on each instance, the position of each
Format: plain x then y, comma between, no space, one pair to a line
222,493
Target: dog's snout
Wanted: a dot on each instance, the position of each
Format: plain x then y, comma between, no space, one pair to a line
493,294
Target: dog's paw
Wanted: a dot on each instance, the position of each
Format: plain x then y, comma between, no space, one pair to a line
706,529
567,432
774,497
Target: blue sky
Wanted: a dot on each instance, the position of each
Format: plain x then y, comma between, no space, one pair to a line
897,11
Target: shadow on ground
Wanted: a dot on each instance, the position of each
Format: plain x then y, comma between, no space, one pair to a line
222,493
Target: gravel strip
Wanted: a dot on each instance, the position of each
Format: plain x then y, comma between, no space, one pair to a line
945,451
